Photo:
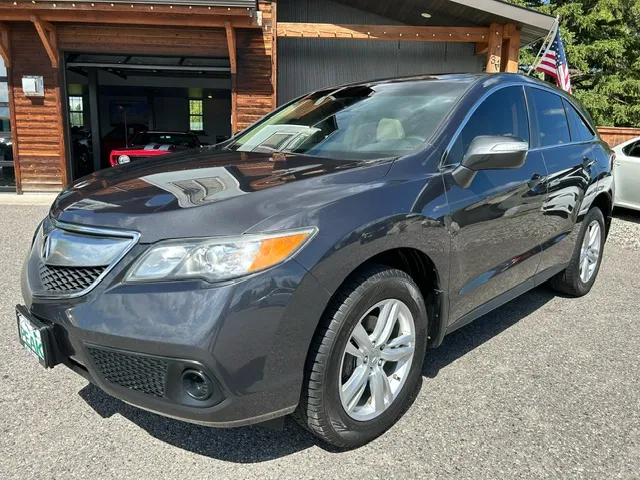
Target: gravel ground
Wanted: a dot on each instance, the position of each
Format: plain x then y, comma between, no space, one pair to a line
544,387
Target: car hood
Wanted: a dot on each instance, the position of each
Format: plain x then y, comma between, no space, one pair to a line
211,192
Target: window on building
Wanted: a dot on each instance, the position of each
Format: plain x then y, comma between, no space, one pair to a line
76,111
196,123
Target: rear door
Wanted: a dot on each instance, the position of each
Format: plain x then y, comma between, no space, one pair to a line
495,223
627,175
571,164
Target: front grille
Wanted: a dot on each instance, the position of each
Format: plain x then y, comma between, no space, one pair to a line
68,279
136,372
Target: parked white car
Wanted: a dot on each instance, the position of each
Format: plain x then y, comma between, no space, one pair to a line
627,174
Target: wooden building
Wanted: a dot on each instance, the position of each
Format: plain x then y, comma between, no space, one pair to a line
79,76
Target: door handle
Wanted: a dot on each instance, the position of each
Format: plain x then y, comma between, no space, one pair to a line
536,180
587,162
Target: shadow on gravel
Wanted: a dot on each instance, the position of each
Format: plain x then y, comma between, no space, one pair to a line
257,444
461,342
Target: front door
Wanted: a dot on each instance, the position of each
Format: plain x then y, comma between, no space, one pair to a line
627,173
495,222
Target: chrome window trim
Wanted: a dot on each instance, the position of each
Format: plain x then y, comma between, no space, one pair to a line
133,235
472,110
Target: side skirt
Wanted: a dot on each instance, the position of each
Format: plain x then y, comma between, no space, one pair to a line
535,281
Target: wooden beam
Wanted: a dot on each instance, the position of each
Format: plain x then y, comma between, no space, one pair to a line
494,54
231,42
511,49
47,34
33,8
132,18
383,32
5,45
482,48
510,31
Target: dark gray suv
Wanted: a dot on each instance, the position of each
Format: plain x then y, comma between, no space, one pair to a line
305,266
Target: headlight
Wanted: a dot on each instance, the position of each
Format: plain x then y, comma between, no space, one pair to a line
122,159
217,259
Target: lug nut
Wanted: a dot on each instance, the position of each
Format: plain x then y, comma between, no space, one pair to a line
365,360
380,362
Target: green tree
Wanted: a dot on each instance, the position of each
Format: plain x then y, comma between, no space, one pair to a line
602,40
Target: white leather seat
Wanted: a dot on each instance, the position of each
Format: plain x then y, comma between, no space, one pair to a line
390,129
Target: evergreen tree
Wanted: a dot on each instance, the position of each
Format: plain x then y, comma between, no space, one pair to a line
602,40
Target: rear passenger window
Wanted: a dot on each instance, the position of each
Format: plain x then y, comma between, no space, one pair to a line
503,113
580,130
549,114
632,150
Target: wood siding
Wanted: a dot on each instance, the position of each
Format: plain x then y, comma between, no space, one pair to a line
140,39
38,121
254,84
38,125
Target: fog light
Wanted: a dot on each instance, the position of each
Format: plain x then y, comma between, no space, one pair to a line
197,385
122,159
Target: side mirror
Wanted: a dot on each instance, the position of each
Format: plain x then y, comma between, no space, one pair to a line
490,153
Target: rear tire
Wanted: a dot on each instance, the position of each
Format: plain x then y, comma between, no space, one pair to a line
344,353
580,276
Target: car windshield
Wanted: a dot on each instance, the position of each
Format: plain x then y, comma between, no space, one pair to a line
163,138
356,122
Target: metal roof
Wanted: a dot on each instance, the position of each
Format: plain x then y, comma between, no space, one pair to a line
463,13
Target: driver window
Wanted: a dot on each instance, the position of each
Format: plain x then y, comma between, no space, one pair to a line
503,113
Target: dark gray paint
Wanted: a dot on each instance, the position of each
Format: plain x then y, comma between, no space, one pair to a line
485,245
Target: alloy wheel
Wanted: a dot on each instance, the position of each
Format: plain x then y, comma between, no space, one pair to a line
377,359
590,251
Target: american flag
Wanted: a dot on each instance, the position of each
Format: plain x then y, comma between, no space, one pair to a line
554,63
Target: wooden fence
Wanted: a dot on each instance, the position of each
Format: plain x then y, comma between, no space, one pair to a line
616,135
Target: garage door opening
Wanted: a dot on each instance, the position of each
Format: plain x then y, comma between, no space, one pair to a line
142,106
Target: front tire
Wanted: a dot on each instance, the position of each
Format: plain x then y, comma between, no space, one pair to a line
579,277
365,359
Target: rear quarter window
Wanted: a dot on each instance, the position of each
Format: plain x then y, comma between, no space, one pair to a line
549,115
580,129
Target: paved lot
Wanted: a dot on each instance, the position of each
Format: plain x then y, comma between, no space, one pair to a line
545,387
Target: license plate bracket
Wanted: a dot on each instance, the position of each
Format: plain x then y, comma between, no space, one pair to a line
36,337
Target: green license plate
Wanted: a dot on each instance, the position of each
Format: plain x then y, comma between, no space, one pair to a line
34,337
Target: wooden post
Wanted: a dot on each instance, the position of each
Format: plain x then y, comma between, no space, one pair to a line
511,49
274,53
494,54
231,42
94,107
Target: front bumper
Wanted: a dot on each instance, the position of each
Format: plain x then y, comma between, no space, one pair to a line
250,337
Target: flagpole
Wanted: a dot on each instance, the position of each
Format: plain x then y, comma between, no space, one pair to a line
550,36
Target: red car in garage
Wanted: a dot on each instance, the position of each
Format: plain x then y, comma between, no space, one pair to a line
152,144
